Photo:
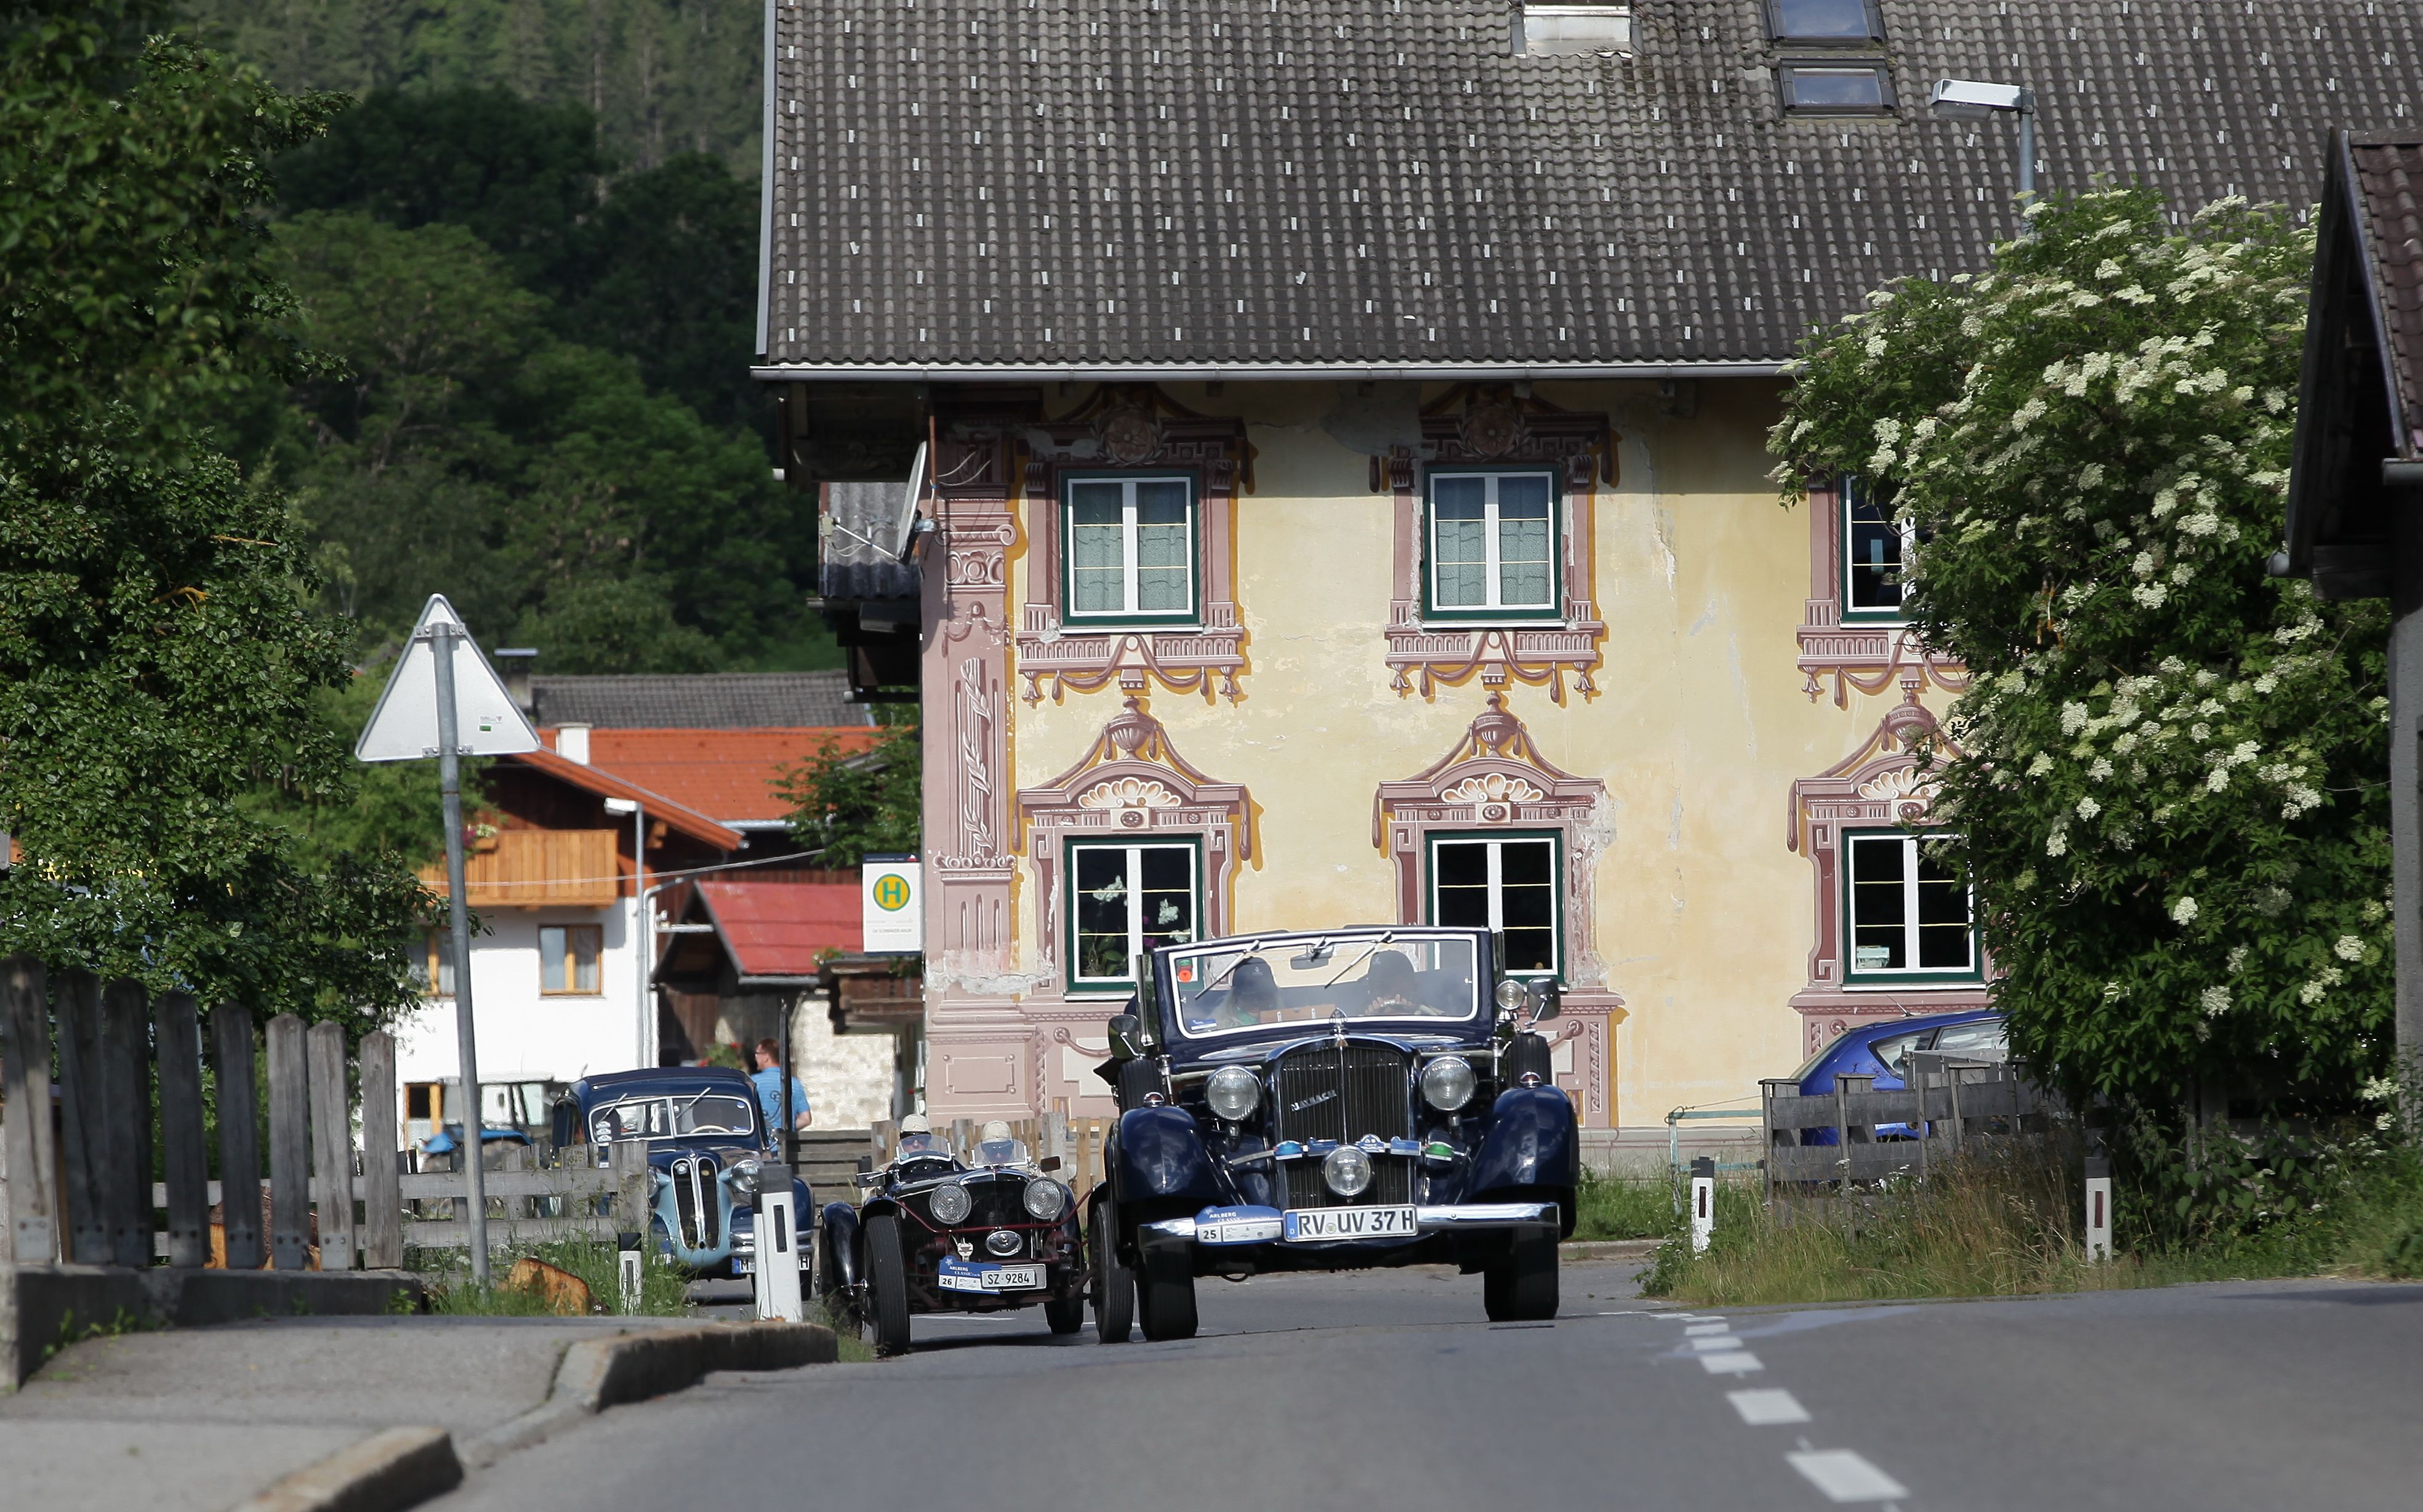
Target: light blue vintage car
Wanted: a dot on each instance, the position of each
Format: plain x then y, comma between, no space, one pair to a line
708,1143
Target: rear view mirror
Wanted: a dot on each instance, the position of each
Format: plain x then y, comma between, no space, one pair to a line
1126,1037
1548,1000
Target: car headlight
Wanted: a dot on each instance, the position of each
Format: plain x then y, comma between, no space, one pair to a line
745,1177
1514,995
949,1202
1447,1083
1347,1170
1045,1198
1232,1092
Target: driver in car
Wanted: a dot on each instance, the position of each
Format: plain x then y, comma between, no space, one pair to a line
1389,986
918,1140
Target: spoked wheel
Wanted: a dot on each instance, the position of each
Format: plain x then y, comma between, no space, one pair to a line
1114,1284
1066,1314
887,1286
1522,1288
1165,1287
830,1295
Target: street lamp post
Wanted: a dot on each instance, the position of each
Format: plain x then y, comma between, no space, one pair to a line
642,956
1972,99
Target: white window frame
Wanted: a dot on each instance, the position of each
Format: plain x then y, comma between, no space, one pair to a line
1849,490
1497,873
1853,973
1493,548
1125,982
1131,580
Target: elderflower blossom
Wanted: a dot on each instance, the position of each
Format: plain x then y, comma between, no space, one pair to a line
2215,1001
2088,808
2236,958
2348,947
2184,910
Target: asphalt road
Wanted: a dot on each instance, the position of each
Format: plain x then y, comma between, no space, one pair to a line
1389,1388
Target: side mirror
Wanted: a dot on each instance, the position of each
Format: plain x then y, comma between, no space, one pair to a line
1126,1037
566,1130
1048,1164
1548,1000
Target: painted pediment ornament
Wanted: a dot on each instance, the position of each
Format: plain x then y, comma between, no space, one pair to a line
1133,777
1886,780
1493,775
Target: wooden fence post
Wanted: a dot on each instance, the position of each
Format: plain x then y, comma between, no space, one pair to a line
75,1000
176,1031
633,1190
238,1136
381,1207
26,1153
332,1144
126,1104
290,1145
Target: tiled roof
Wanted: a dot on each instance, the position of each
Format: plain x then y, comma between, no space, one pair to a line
708,701
2389,184
1343,182
777,929
727,774
660,806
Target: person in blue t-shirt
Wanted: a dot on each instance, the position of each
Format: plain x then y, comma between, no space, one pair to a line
768,1078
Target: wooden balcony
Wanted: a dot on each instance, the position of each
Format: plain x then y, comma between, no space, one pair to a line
537,868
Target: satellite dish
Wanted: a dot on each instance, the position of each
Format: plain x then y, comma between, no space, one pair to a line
905,537
404,727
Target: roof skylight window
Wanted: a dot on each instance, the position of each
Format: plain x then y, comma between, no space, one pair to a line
1563,30
1842,22
1835,88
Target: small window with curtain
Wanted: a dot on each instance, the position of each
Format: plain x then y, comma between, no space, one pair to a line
567,960
1131,548
1124,900
1908,914
1876,551
1505,884
1493,546
433,964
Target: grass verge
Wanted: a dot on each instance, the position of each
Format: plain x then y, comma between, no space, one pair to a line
1624,1207
664,1291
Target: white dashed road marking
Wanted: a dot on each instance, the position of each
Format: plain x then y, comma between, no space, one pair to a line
1696,1330
1758,1408
1845,1477
1731,1363
1721,1341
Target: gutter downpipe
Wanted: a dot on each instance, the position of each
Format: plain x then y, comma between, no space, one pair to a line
766,196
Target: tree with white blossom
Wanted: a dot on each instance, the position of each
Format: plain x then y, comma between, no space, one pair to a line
2170,771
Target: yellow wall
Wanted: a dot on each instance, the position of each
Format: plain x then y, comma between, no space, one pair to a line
1705,918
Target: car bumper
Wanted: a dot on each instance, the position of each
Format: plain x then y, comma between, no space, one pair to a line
1455,1217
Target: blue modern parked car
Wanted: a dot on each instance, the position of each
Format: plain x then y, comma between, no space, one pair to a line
1883,1050
706,1143
1330,1100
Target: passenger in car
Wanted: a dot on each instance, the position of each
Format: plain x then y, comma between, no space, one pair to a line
1388,986
1253,996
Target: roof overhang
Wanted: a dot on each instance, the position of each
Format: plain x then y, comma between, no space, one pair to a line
1242,372
606,785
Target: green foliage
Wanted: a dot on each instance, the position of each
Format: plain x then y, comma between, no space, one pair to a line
855,804
662,76
157,662
1610,1207
2169,771
664,1290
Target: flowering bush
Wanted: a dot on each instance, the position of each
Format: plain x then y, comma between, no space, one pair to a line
2170,770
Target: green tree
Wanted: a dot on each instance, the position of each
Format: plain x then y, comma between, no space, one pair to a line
2169,770
159,659
852,804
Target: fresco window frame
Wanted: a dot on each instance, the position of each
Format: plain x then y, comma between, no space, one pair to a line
1913,921
1496,839
1852,495
1552,608
1079,985
1191,617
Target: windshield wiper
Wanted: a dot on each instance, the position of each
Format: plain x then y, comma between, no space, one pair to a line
1359,960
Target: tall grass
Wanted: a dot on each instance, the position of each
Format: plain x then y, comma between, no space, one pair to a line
1624,1207
664,1291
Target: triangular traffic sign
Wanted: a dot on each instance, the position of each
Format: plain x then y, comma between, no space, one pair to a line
404,727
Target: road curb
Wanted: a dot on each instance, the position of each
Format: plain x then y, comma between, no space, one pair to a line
597,1374
387,1471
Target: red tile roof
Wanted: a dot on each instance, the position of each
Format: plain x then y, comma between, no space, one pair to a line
778,928
607,785
727,774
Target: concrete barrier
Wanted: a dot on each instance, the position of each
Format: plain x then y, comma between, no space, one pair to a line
47,1307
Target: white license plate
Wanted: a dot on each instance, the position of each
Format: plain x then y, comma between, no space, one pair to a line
1013,1278
1317,1223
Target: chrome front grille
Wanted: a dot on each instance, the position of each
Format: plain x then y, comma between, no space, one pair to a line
1393,1184
694,1202
1343,1092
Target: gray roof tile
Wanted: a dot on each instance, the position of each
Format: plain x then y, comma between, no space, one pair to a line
705,700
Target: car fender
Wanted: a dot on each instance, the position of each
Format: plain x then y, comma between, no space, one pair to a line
841,1241
1532,1141
1161,1161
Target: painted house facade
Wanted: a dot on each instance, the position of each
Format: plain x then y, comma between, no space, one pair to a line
1345,495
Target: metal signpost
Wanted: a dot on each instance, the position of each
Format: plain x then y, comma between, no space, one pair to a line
421,714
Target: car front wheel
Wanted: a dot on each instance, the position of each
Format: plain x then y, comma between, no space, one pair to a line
1165,1287
887,1286
1114,1284
1522,1288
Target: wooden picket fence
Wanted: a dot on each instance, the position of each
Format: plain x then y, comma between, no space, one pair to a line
1078,1143
1950,1103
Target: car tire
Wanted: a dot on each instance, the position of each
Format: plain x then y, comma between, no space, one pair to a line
1166,1289
1522,1288
887,1286
1114,1284
830,1293
1066,1314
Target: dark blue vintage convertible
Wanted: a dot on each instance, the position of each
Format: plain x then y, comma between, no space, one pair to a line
1330,1100
708,1143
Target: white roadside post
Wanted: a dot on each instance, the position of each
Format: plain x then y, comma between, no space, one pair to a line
631,1275
1704,1202
444,700
778,1248
2098,1207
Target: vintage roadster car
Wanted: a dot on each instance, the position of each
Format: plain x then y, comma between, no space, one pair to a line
1329,1101
708,1141
944,1233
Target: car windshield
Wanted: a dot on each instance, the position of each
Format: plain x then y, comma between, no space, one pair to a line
923,1147
1234,985
687,1116
1001,1152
